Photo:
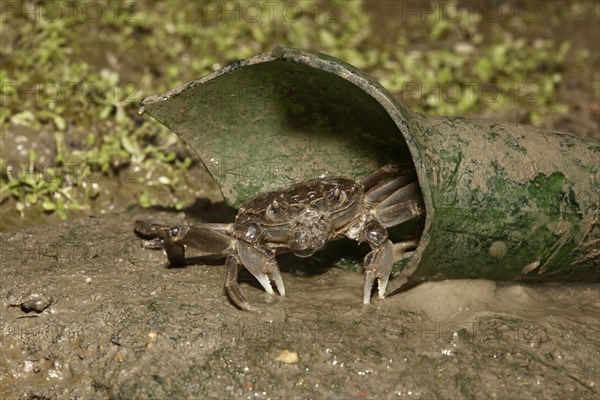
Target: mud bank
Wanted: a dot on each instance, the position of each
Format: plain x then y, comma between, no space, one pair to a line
85,312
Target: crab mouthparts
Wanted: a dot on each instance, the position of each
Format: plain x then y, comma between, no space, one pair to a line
308,239
304,252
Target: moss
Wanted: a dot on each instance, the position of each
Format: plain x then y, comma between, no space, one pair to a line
553,193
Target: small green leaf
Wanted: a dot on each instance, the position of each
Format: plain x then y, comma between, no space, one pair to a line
105,112
61,213
60,204
23,118
48,205
33,155
327,39
90,139
180,205
60,122
130,145
31,198
145,199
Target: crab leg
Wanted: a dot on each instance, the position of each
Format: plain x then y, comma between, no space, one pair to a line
399,213
383,191
376,177
231,285
152,231
210,239
409,192
403,250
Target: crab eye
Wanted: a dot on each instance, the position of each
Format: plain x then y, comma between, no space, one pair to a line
272,210
174,231
312,196
337,195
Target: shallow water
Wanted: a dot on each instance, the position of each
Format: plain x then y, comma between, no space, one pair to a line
123,325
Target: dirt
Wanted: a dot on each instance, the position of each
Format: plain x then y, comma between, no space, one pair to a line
86,312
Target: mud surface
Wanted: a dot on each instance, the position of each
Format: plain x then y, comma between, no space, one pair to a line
85,312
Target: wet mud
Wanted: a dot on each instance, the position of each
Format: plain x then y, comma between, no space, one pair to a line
86,312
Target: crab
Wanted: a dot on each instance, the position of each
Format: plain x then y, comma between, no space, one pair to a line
302,219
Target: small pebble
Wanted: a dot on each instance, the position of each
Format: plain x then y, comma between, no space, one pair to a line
287,357
151,339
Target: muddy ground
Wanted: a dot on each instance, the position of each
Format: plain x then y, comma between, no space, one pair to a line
86,312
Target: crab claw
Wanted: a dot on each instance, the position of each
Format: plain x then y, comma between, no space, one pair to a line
273,271
378,265
261,263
